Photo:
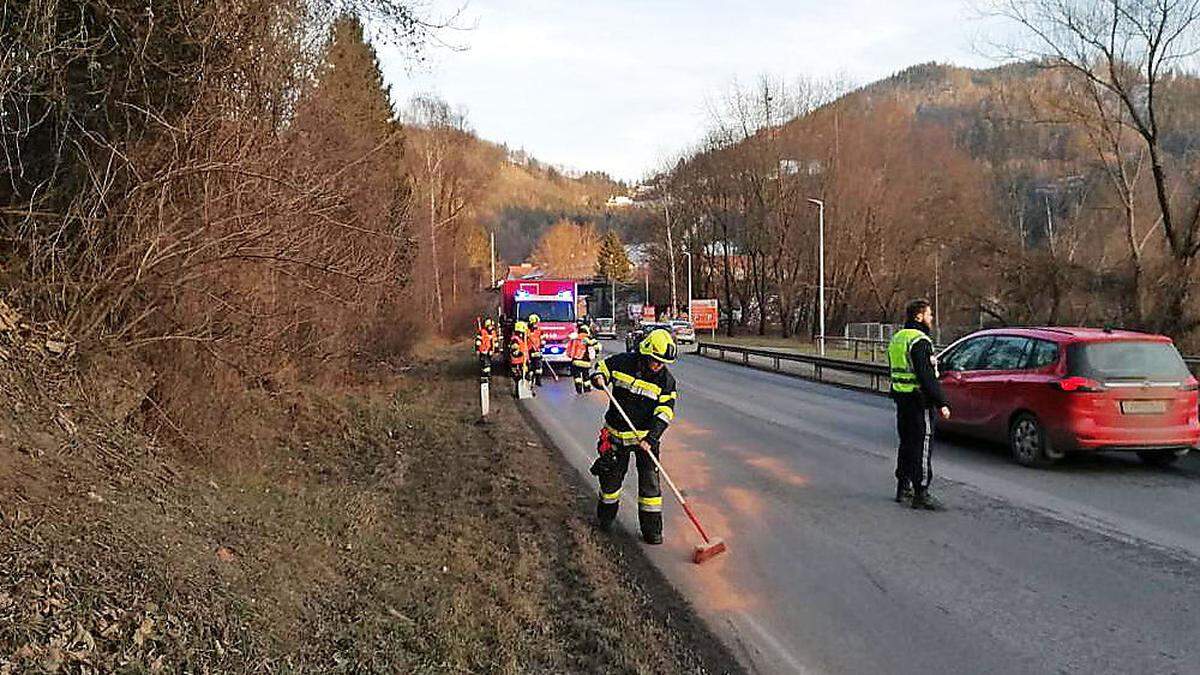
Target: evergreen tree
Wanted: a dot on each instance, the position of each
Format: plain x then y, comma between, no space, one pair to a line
612,262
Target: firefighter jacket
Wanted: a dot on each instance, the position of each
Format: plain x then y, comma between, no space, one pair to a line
535,341
518,350
582,350
648,398
484,342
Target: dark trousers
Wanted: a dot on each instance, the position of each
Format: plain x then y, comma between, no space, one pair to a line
485,367
535,367
579,374
649,491
914,422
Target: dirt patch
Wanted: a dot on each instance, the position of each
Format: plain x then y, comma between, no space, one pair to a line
382,531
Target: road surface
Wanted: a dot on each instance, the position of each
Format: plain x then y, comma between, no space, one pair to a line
1089,567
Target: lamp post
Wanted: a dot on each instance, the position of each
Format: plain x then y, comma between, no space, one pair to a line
689,259
821,268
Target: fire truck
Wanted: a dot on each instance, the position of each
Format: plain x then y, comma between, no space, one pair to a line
553,300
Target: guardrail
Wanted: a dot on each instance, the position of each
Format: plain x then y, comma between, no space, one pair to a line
845,372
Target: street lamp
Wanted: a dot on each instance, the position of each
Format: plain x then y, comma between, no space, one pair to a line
821,268
689,258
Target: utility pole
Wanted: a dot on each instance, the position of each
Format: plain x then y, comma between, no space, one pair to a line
492,248
670,252
689,305
821,268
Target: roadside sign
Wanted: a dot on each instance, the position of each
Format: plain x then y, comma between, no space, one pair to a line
647,312
634,310
704,314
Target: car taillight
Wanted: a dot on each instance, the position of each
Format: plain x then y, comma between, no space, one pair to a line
1190,385
1079,384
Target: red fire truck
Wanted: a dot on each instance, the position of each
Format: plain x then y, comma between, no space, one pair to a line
553,300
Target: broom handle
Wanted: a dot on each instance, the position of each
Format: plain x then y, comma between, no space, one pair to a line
682,502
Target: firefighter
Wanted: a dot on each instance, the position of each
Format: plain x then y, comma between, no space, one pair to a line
518,357
535,349
645,388
917,394
582,350
485,347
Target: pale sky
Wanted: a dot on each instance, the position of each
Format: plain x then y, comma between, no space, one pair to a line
621,85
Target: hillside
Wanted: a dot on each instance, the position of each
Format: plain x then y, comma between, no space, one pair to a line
1010,173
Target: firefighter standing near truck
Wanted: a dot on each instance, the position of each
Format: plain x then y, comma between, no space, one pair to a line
582,350
535,348
917,394
518,357
645,389
485,347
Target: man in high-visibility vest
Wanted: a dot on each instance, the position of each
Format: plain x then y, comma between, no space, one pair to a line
485,346
582,350
918,395
645,389
518,357
534,341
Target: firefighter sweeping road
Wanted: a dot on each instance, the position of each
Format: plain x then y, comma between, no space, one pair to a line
1089,567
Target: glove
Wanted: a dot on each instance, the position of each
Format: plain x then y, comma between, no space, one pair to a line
598,381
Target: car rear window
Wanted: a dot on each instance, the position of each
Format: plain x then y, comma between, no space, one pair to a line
1126,360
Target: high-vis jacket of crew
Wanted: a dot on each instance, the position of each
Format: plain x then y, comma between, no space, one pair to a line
912,365
648,398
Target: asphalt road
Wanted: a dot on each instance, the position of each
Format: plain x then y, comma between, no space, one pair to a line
1092,566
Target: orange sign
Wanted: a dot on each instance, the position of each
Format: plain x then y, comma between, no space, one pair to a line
704,314
647,312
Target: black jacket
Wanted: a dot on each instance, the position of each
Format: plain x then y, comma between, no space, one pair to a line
926,371
647,397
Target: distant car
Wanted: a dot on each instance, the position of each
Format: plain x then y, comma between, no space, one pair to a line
1053,391
635,335
606,328
684,332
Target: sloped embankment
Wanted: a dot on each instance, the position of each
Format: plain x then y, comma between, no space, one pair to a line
381,531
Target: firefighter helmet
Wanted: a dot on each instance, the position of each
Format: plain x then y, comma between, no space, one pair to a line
583,329
487,323
534,319
659,346
521,327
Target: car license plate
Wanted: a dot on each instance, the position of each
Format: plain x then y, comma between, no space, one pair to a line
1143,407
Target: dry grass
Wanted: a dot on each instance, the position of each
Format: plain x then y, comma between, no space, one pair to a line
375,528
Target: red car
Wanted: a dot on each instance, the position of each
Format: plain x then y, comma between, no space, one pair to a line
1052,391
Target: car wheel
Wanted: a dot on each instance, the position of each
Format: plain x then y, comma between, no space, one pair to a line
1160,457
1028,443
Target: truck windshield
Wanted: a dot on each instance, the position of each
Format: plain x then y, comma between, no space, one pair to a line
547,310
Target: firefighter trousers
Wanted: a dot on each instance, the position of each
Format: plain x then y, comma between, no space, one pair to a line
485,367
649,489
579,374
535,367
914,422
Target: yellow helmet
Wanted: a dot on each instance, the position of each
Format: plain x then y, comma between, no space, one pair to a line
521,327
534,319
659,345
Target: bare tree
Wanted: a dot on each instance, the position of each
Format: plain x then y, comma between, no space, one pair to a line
1128,50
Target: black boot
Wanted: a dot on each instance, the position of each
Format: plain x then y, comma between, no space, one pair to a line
651,526
605,515
903,490
923,500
